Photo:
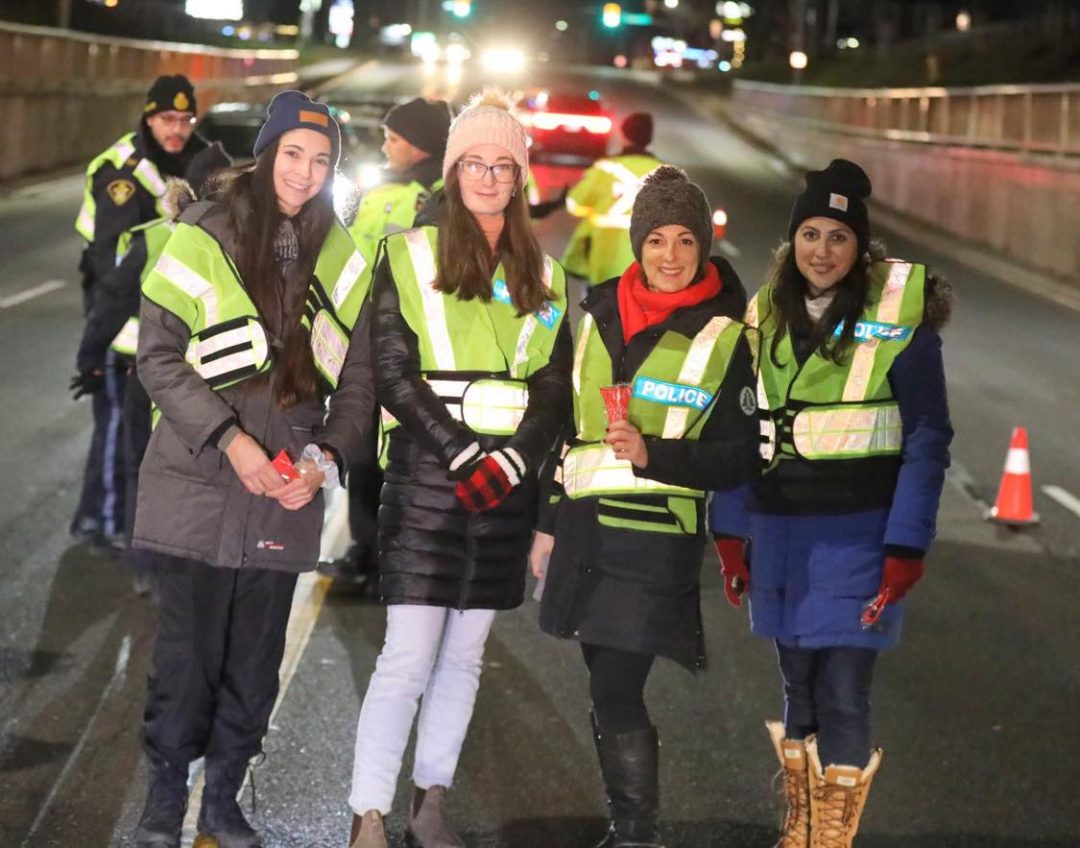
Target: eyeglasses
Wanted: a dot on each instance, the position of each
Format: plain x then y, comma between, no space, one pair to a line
474,169
175,120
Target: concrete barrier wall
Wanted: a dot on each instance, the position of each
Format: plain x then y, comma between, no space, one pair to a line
65,96
1025,205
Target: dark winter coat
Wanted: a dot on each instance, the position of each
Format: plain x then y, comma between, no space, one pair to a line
191,503
636,590
813,571
431,549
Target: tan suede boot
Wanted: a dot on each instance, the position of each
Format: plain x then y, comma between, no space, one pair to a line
368,831
837,798
427,827
795,831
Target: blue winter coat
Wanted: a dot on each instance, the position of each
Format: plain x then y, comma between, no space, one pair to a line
811,574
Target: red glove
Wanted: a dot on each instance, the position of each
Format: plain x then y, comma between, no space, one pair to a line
733,568
899,576
491,480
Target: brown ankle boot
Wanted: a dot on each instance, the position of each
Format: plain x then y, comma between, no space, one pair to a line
795,831
837,798
427,827
368,831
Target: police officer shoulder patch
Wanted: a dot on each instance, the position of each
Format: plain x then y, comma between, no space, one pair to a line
747,401
120,191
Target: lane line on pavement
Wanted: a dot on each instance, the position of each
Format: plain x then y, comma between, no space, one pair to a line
1063,497
730,249
31,293
119,671
308,598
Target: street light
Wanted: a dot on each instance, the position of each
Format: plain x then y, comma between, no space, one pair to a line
798,60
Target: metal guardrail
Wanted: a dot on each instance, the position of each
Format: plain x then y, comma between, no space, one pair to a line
1030,118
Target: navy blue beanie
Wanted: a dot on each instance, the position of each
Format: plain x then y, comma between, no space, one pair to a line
294,110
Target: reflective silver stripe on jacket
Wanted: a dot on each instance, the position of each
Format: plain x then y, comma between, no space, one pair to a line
423,262
838,432
191,283
127,340
253,351
592,470
347,279
693,369
328,345
151,177
579,363
627,185
887,312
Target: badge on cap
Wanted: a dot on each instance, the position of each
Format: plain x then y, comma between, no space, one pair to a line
120,191
180,102
838,201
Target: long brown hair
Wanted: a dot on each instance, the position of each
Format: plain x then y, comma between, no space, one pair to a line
254,218
788,304
466,262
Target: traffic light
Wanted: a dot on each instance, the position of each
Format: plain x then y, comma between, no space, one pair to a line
612,15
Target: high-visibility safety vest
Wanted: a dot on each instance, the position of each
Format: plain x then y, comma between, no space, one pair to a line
155,235
672,395
387,209
600,246
144,171
476,355
820,410
197,281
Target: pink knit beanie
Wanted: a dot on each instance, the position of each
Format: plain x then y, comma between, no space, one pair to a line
486,119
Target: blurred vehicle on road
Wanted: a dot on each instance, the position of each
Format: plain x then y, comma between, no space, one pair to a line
565,124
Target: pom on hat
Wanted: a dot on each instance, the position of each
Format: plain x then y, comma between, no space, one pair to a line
487,119
294,110
422,123
838,192
170,94
668,197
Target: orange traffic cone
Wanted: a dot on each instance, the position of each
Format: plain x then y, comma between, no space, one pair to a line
1013,504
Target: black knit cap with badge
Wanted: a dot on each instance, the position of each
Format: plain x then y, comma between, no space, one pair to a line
838,192
668,197
294,110
173,93
425,124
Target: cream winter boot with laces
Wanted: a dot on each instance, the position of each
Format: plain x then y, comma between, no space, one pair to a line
837,798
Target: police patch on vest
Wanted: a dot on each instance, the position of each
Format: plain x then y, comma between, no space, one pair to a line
671,394
747,401
120,191
866,330
548,314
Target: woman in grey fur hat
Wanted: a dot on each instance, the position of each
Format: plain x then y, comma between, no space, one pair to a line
621,546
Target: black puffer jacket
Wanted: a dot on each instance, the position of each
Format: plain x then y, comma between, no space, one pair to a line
431,549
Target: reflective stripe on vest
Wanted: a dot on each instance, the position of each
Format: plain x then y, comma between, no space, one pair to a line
127,340
624,191
423,262
692,372
847,432
488,405
224,353
592,470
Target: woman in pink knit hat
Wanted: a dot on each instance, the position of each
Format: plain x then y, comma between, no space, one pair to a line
473,372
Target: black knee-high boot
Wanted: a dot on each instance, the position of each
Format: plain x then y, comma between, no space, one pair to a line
629,763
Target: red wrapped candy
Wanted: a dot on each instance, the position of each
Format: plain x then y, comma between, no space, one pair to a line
616,401
284,466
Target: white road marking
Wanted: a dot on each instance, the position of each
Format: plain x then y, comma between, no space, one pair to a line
31,293
1066,499
730,249
119,671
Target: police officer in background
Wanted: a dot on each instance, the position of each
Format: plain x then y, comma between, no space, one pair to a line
415,140
125,187
113,325
600,248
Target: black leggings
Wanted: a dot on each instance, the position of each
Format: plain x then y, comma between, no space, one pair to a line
617,686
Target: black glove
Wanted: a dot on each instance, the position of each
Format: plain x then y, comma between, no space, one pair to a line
87,383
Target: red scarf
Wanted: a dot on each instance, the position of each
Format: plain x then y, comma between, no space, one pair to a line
641,307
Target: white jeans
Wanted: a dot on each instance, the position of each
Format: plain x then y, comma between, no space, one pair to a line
430,651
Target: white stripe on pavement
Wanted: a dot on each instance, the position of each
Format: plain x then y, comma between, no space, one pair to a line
1066,499
730,249
30,294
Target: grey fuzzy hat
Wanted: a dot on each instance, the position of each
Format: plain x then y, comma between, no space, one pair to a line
668,197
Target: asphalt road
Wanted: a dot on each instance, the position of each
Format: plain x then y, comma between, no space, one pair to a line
975,711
